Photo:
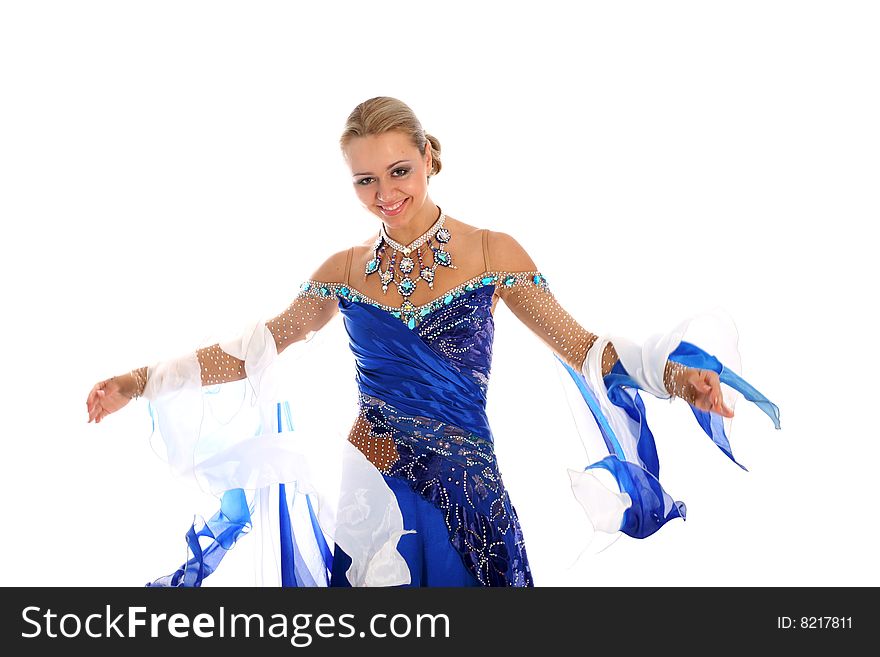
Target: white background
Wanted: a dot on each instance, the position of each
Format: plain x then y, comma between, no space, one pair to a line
170,170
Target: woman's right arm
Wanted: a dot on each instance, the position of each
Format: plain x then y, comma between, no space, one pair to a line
304,316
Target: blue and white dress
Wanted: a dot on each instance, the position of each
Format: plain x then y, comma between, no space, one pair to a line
412,496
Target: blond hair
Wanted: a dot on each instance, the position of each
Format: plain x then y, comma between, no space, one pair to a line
381,114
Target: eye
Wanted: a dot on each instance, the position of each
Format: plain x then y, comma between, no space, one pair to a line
403,171
364,181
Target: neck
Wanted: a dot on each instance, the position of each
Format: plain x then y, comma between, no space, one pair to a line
416,226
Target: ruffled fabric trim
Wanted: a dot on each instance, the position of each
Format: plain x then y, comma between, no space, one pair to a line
238,451
620,489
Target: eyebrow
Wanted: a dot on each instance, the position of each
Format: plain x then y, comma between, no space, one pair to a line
390,166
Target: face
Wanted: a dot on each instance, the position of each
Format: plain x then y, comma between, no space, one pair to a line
389,175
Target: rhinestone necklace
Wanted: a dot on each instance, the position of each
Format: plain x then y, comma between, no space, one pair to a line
407,285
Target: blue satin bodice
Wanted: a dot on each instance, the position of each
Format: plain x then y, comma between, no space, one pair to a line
423,386
440,368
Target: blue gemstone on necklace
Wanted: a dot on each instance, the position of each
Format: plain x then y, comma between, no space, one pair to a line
406,286
372,266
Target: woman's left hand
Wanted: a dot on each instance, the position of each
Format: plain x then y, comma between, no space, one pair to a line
702,388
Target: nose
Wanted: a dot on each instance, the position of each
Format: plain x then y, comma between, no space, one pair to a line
384,192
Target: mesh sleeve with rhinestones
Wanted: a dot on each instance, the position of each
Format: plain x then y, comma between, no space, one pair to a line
305,315
535,305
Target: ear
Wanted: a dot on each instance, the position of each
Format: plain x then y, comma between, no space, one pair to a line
429,160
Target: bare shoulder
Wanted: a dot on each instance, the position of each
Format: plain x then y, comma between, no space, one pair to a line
459,227
507,254
333,269
336,267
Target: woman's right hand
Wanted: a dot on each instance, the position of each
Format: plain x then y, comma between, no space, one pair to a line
108,396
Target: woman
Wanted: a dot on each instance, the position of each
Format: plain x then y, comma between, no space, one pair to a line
421,501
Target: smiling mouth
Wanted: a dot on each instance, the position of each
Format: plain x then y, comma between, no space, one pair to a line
394,208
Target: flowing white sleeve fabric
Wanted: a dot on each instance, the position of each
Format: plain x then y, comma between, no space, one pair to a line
174,388
620,488
238,442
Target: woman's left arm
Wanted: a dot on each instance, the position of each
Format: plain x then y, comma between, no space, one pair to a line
529,298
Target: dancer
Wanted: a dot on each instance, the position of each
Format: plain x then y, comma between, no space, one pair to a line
419,499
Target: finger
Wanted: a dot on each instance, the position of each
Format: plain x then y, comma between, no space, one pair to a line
92,394
727,411
706,380
714,391
715,394
718,400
